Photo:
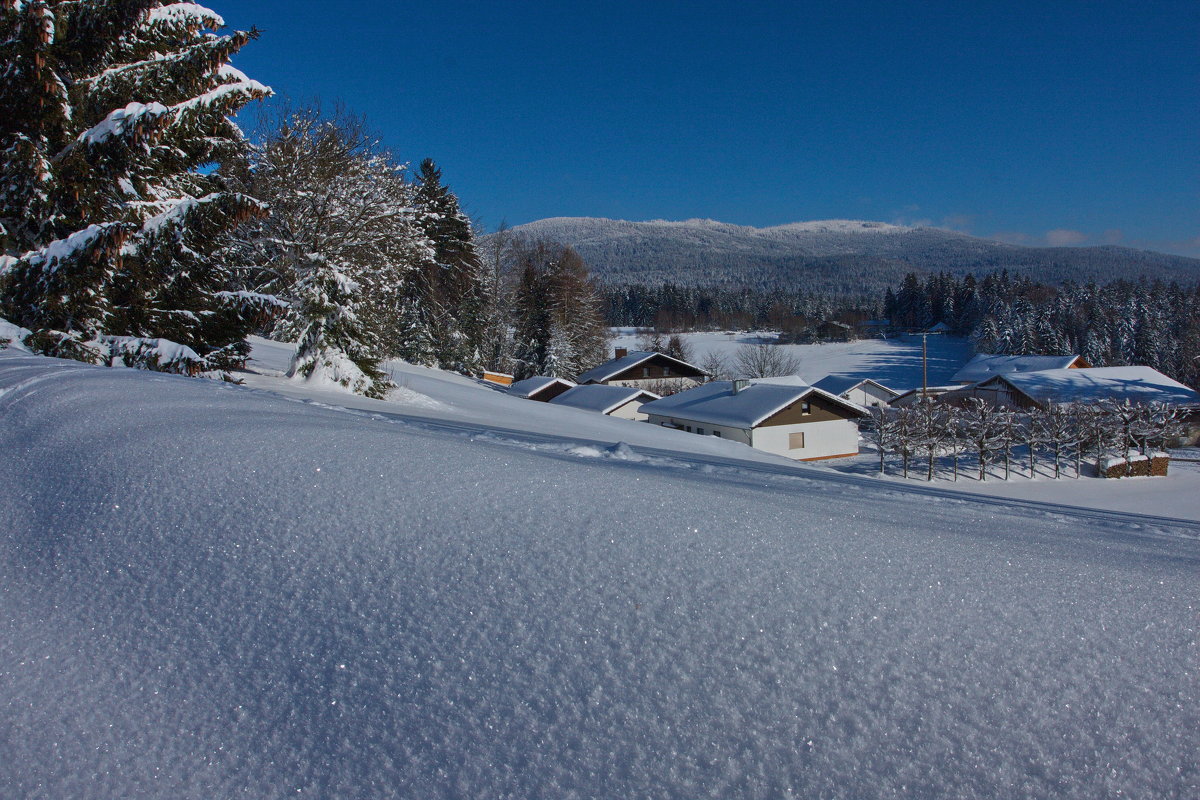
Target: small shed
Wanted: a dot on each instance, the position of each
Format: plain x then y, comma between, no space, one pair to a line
499,378
540,388
616,401
914,396
860,391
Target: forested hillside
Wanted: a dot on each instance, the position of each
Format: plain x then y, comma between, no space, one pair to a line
838,257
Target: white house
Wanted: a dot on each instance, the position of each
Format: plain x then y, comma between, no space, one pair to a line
615,401
782,416
860,391
642,369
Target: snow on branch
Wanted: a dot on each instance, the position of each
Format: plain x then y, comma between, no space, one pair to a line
190,15
227,97
92,239
134,118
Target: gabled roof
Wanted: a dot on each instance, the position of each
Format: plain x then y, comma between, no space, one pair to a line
840,384
716,403
615,367
1090,384
597,397
984,366
930,391
530,387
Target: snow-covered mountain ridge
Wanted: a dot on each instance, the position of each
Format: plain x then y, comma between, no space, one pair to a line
840,256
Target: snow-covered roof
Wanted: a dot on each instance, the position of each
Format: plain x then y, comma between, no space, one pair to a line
530,386
597,397
1090,384
609,369
840,384
984,366
716,403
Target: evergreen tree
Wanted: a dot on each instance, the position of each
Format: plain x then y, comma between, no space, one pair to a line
558,327
333,344
112,116
342,231
454,281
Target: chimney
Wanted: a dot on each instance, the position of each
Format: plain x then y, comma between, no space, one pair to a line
622,352
740,384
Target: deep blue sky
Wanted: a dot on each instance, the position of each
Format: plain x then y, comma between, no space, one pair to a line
1061,122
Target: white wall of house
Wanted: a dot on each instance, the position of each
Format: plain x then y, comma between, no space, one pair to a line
631,410
821,439
703,428
868,395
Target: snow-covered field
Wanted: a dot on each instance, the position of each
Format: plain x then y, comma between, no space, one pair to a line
895,362
265,591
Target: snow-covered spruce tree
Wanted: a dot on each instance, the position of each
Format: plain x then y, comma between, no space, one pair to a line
454,280
341,244
334,345
112,118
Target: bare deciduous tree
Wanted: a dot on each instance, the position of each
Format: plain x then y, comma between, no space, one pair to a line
764,361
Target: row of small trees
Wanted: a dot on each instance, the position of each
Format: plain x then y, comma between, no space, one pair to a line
1060,434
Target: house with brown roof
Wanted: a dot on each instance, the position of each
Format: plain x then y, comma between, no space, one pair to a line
984,366
1084,385
655,372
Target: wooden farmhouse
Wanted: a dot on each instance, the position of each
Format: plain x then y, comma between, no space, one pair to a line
860,391
655,372
984,366
784,416
1084,385
833,331
540,388
616,401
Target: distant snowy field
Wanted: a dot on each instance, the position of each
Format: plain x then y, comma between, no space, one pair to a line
218,591
896,363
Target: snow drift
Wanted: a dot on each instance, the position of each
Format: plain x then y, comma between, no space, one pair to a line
209,591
